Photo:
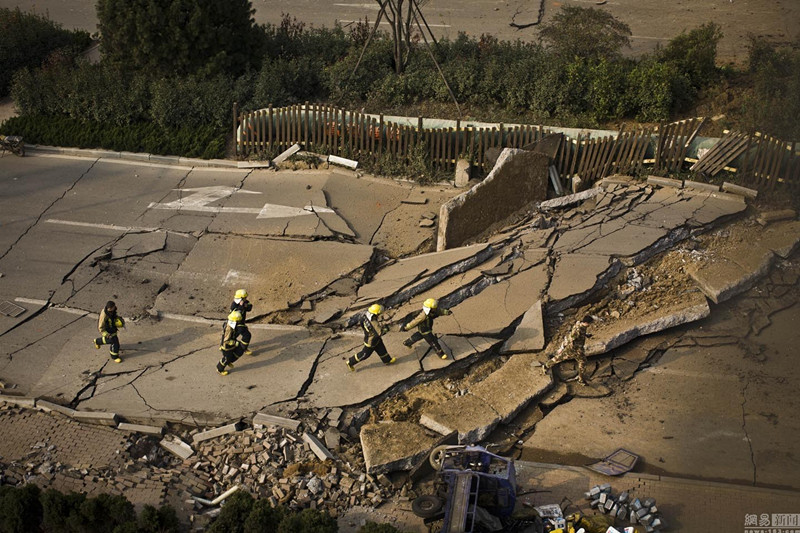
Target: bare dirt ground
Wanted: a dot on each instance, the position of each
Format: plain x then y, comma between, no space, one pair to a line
652,22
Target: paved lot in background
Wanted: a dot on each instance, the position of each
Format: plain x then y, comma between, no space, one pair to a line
652,21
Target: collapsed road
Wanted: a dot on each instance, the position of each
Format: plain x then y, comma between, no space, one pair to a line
316,248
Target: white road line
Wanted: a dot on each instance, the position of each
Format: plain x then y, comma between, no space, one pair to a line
111,227
689,374
70,310
201,320
387,23
362,6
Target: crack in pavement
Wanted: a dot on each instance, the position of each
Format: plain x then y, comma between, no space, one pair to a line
185,411
312,372
46,209
178,186
11,354
744,428
380,224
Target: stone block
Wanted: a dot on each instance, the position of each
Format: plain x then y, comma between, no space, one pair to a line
47,407
343,161
216,432
135,156
767,217
265,419
97,417
529,334
511,388
665,182
177,447
738,189
317,447
392,446
698,185
571,199
19,401
462,173
469,415
139,428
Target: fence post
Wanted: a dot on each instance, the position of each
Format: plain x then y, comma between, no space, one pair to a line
235,127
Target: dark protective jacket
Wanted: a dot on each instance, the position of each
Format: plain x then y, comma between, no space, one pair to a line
230,337
372,330
107,324
243,307
425,321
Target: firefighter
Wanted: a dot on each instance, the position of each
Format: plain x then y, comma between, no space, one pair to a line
373,329
108,325
573,348
230,345
424,324
242,304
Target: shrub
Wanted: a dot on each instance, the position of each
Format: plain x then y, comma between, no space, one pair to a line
264,518
20,509
585,32
152,520
206,142
651,88
695,54
234,513
308,521
26,39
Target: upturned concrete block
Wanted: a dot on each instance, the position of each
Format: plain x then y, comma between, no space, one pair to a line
216,432
139,428
688,184
177,447
48,407
462,173
768,217
665,182
738,189
264,419
97,417
19,401
317,447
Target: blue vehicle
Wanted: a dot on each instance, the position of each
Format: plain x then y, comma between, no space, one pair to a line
475,490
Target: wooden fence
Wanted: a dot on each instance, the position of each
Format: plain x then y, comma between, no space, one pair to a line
332,130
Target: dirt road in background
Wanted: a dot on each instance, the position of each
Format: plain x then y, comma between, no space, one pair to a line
651,21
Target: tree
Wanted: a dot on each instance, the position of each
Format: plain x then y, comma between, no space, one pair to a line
586,33
26,39
180,36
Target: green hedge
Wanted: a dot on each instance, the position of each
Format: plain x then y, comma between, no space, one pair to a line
27,39
207,142
27,509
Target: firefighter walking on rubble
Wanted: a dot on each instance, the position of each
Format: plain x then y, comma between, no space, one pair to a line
242,304
573,348
230,345
373,329
424,324
109,324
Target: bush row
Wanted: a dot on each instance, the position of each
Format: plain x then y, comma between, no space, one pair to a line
26,39
207,142
28,509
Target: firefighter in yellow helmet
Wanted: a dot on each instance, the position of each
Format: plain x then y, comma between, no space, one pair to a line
230,345
110,322
373,329
424,324
242,304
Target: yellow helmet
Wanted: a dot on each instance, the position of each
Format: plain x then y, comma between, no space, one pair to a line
376,309
235,316
241,293
430,303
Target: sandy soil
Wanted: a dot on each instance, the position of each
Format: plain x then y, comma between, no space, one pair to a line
652,21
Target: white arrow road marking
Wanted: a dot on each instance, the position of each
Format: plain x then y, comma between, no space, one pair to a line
205,195
234,276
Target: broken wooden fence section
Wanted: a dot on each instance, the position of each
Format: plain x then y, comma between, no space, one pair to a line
763,160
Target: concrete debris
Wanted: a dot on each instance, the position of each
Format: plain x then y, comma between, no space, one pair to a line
139,428
767,217
622,508
286,154
177,447
664,182
336,160
317,447
570,199
738,189
266,419
216,432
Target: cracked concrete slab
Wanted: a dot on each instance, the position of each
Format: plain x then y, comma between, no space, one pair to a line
135,244
397,276
733,437
456,348
371,377
469,415
529,334
513,386
574,275
391,446
497,306
728,276
606,336
252,384
274,272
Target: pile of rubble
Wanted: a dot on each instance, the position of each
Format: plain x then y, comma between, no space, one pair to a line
621,507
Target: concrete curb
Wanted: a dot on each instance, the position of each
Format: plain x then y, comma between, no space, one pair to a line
131,156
